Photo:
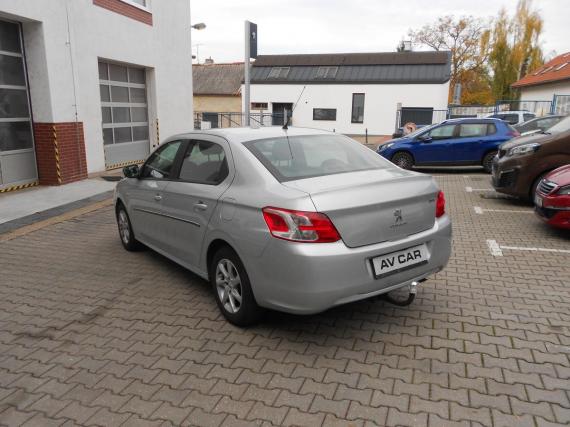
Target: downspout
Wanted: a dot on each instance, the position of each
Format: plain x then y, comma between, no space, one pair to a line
74,83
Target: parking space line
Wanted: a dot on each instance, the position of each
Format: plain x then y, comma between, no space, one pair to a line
494,248
471,189
497,250
479,210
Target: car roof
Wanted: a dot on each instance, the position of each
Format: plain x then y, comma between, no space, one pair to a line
473,120
244,134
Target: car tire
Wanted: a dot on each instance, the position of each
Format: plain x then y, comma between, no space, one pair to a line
534,186
487,162
125,227
403,160
232,288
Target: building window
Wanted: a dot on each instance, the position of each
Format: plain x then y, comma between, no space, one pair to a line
123,103
144,4
326,72
324,113
278,73
357,108
259,105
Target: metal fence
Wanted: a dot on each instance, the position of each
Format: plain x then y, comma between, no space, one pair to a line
205,120
561,104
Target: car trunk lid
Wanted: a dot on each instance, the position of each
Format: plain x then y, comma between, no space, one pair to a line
374,206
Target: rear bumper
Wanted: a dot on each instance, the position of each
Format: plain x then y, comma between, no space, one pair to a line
306,278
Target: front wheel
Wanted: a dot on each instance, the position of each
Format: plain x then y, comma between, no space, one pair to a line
488,161
232,289
403,160
126,230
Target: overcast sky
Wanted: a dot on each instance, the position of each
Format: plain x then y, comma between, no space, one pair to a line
322,26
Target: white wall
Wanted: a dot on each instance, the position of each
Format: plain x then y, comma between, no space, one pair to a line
380,103
95,32
545,92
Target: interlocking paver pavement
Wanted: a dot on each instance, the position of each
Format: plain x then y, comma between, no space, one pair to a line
93,335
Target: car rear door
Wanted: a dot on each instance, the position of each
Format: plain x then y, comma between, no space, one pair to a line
472,141
205,173
433,147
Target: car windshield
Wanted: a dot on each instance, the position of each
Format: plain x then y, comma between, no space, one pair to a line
298,157
562,126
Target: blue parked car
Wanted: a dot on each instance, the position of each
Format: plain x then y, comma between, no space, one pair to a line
454,142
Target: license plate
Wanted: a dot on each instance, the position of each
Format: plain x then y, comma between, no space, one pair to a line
538,201
400,260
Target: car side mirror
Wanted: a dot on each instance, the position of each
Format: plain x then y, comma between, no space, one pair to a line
425,138
132,171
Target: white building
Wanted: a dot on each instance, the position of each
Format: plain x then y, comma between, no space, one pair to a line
549,84
89,85
351,93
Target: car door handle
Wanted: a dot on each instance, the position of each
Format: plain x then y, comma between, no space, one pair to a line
201,206
158,197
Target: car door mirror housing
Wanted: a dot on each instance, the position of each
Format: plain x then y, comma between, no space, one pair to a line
132,171
425,138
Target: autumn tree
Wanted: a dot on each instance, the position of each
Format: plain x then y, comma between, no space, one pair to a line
515,48
467,38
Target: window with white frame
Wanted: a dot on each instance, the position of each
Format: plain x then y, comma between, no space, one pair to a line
123,103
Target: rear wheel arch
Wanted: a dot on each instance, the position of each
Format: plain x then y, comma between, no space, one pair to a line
214,246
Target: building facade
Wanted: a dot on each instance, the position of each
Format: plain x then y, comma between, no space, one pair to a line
549,86
217,93
89,85
354,93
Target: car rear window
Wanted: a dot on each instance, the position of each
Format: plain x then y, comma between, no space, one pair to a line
298,157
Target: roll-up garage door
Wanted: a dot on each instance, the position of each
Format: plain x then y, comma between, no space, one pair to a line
125,113
17,156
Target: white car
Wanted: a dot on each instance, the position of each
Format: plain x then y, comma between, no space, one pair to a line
513,117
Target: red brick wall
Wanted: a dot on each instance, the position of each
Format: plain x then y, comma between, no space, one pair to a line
126,9
60,152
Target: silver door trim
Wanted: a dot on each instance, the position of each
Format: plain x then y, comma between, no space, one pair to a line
194,223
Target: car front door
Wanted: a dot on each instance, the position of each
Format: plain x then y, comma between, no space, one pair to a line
145,198
432,147
206,171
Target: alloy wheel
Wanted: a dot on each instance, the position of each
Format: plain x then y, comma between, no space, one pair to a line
124,229
228,286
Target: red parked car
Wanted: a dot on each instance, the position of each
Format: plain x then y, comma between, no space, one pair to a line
552,198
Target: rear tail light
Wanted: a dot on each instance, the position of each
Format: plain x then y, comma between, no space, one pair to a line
514,133
440,205
300,226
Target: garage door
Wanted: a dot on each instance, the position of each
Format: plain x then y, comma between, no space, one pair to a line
17,156
125,113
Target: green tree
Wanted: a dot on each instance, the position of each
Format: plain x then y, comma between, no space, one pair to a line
515,48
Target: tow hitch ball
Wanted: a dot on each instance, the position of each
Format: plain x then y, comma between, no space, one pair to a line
412,289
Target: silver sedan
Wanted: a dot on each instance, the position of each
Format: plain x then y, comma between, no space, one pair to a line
297,220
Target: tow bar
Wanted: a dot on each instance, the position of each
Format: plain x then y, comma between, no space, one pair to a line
411,296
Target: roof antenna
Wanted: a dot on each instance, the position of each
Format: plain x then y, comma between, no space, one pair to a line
285,126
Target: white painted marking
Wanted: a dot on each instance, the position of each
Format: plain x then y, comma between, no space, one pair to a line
479,210
497,250
494,248
471,189
523,248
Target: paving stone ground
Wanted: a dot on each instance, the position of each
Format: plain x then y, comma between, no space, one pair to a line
93,335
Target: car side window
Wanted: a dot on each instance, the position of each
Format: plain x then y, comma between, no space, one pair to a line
159,164
491,129
470,130
442,132
527,117
511,119
204,162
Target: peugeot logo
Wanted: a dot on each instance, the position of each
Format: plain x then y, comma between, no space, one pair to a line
398,216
